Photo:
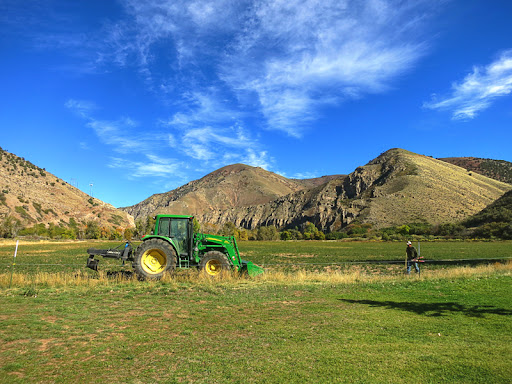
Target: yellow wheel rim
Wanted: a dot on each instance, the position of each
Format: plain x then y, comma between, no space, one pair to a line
213,267
153,261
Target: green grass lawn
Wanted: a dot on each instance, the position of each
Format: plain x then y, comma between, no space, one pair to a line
406,330
59,324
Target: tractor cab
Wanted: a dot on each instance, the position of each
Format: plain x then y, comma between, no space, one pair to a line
179,229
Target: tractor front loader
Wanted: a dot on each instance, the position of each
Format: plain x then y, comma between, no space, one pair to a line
173,244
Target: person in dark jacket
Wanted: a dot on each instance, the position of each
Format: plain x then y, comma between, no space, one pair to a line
412,257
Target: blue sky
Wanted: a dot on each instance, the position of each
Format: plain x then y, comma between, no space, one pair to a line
141,97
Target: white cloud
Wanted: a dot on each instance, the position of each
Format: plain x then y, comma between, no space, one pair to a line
203,108
119,134
154,167
478,90
82,108
305,54
257,159
281,59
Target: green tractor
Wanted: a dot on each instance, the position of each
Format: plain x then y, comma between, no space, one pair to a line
173,244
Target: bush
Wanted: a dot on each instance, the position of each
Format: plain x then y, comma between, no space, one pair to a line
336,235
92,230
267,233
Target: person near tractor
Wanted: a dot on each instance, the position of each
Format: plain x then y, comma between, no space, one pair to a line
412,258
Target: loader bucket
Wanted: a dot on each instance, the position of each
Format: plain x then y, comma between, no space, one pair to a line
251,268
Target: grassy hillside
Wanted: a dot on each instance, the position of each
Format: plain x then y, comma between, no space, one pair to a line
425,189
494,220
496,169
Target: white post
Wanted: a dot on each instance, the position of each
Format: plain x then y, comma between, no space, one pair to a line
14,262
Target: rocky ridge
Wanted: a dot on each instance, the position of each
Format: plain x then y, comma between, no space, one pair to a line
236,185
395,188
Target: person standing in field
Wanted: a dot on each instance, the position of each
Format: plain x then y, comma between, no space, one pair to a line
412,257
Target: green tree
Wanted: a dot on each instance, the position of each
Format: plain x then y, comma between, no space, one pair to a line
228,229
92,230
404,230
128,234
10,227
268,233
319,235
196,226
286,235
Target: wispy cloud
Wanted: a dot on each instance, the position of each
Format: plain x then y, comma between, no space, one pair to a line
281,60
119,134
82,108
278,62
221,143
318,53
154,166
207,129
478,90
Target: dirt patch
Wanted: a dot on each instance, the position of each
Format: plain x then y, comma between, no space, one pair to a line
294,256
44,344
50,319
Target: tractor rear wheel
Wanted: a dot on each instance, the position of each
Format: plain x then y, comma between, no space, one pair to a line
214,263
153,259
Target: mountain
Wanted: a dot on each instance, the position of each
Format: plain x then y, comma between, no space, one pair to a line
32,195
495,169
317,181
397,187
233,186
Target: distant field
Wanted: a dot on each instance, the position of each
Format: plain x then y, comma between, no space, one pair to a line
36,257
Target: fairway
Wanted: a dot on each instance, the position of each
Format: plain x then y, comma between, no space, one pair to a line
449,325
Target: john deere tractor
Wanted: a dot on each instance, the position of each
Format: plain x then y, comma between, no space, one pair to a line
173,244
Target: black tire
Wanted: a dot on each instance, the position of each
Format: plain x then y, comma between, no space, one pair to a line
153,259
214,264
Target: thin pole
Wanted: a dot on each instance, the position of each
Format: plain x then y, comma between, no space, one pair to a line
14,262
405,261
418,264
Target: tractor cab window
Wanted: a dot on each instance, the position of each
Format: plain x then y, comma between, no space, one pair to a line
176,229
164,227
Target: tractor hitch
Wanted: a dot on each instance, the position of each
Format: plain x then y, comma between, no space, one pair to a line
113,253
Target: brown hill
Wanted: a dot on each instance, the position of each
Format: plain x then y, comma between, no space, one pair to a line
495,169
229,187
397,187
317,181
33,195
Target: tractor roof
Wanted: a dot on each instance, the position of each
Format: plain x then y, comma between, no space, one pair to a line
175,216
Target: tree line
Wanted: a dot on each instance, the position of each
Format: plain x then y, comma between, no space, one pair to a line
493,224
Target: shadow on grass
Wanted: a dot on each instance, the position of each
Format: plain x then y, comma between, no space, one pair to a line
435,309
120,274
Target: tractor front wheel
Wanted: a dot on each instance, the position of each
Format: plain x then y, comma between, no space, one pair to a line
153,259
214,263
